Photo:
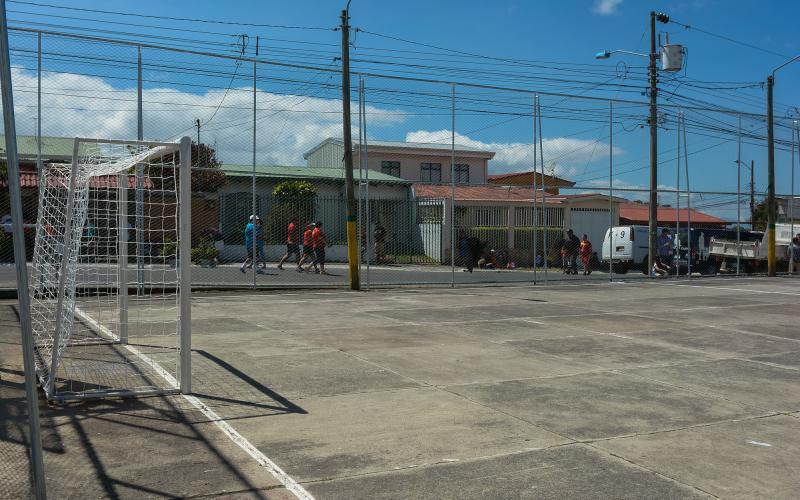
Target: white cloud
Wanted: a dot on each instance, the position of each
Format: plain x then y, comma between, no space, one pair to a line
606,7
563,156
288,125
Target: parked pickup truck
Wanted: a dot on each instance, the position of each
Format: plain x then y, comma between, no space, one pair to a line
751,249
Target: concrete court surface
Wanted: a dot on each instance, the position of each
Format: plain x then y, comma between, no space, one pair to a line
668,389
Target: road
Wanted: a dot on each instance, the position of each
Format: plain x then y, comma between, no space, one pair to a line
229,275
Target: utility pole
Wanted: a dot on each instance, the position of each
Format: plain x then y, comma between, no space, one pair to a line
197,124
653,71
771,215
352,242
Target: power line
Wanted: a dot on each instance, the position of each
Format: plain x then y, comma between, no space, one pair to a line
729,39
170,18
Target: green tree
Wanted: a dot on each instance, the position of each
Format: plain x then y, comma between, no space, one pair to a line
206,173
760,216
293,199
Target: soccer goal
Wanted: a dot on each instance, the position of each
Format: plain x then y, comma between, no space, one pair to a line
110,287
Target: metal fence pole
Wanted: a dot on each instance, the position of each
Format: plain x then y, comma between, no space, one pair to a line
39,108
361,242
534,213
544,186
791,198
26,331
453,187
678,206
739,199
366,191
254,213
610,191
688,197
139,194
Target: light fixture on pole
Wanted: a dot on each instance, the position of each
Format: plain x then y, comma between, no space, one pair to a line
669,62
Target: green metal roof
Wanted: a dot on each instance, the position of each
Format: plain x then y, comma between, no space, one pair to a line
288,172
52,147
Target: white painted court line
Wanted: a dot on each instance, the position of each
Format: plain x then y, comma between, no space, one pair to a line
285,479
734,289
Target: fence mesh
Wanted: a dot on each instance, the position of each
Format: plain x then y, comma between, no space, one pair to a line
449,177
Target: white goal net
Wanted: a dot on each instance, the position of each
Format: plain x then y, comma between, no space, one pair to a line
110,287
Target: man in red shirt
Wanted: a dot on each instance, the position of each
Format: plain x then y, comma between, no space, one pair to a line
319,242
308,247
292,242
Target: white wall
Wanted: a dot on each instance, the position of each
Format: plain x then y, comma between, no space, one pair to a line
410,164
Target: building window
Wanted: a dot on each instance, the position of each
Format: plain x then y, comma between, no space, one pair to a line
431,172
462,173
390,168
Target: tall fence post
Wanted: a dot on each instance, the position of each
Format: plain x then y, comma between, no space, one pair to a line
453,186
39,108
678,206
366,174
739,199
795,132
610,192
534,212
26,330
544,186
255,262
139,194
688,198
360,221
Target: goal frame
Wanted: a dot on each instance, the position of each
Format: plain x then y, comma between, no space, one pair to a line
173,385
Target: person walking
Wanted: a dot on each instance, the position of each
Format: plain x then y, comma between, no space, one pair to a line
308,247
474,249
261,244
292,242
794,254
253,229
572,246
666,248
585,251
319,242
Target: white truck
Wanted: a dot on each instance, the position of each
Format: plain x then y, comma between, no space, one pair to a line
752,253
625,248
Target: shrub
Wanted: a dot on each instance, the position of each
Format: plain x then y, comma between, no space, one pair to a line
204,252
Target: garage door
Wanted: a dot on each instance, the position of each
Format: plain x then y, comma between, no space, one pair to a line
592,222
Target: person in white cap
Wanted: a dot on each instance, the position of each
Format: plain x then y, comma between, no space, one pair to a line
252,230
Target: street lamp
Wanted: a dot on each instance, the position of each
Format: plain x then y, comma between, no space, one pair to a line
605,54
653,120
771,208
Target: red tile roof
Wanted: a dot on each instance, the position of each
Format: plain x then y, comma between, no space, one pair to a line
483,193
639,213
30,179
526,178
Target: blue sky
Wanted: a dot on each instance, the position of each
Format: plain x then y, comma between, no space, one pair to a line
566,33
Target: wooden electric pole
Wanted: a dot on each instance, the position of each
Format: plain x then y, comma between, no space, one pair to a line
352,241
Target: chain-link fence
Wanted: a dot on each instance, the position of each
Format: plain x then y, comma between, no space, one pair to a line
456,183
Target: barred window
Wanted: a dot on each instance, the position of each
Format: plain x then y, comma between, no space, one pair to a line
430,172
390,168
462,173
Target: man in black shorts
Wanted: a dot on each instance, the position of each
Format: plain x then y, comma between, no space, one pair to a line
308,247
292,242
